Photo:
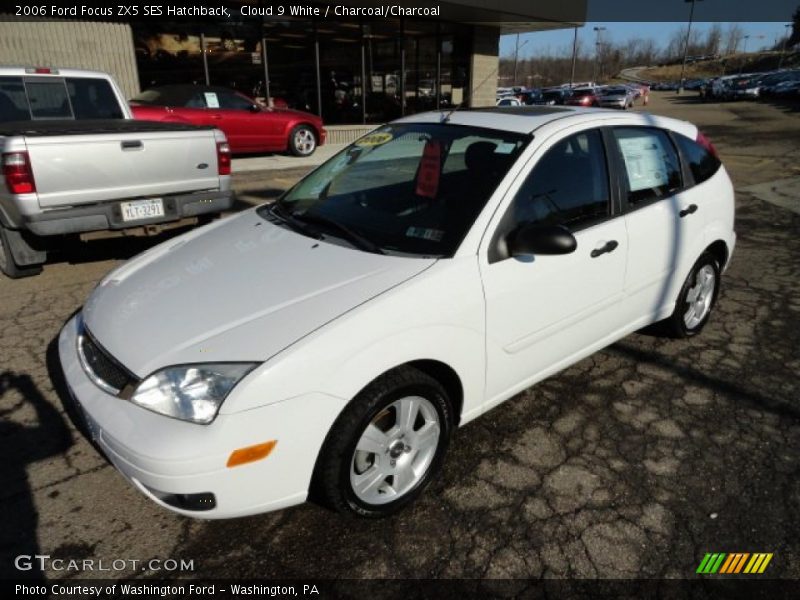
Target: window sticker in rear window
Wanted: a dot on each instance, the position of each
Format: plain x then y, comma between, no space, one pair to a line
644,162
211,100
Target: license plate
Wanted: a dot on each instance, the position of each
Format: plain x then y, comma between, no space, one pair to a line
142,209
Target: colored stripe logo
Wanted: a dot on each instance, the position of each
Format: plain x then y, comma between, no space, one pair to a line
734,563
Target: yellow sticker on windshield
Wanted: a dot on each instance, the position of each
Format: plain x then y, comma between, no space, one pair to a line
374,139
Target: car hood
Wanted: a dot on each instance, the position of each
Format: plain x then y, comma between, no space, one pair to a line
242,289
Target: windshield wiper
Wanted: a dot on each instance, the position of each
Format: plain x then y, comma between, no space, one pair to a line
354,238
279,211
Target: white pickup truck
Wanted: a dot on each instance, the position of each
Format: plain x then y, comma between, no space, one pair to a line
75,161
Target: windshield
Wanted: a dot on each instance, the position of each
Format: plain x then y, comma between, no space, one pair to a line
613,91
405,188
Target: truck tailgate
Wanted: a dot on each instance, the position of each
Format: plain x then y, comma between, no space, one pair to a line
82,169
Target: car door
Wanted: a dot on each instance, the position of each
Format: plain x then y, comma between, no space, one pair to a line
544,312
232,114
664,223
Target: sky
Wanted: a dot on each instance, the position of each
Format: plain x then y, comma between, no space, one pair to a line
560,41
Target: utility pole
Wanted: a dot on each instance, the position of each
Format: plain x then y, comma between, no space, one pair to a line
686,44
516,58
597,49
744,52
575,55
783,50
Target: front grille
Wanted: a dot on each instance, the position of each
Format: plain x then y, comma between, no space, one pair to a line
102,369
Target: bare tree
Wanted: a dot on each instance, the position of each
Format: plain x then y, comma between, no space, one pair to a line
732,38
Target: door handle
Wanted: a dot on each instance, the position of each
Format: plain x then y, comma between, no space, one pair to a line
609,246
216,117
692,208
131,145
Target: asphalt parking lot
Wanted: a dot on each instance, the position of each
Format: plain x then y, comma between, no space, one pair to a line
633,463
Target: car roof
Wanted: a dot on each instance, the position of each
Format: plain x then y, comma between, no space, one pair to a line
526,119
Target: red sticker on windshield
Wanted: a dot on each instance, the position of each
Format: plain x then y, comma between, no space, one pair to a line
429,166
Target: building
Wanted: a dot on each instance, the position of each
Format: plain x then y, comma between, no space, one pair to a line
349,69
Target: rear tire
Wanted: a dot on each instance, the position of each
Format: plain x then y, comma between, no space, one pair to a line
302,141
8,266
696,299
386,446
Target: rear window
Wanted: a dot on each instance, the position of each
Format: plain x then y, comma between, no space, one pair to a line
39,98
702,163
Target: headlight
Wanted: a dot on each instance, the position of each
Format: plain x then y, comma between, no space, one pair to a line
190,392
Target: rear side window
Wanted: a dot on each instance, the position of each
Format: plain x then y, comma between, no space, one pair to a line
652,169
701,162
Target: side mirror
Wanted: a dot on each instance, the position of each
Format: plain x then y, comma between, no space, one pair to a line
255,108
530,239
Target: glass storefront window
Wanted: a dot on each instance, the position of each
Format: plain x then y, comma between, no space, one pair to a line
359,71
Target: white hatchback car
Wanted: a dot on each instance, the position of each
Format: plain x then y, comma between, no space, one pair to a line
328,344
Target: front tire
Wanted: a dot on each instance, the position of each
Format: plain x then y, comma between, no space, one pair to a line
302,141
696,298
386,446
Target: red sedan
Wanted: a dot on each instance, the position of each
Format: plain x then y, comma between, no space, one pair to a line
248,126
583,97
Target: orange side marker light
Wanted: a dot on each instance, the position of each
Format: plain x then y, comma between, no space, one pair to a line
251,453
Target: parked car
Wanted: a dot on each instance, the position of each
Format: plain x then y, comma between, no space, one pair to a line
615,97
332,341
787,90
248,126
508,101
532,97
553,96
74,161
583,97
742,88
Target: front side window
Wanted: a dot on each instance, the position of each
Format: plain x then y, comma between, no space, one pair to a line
407,188
567,186
231,101
652,169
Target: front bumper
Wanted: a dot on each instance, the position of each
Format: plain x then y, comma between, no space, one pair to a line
165,457
107,215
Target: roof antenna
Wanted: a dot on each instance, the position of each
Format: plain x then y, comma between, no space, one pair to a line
446,117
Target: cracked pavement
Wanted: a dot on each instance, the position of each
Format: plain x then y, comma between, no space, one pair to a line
632,463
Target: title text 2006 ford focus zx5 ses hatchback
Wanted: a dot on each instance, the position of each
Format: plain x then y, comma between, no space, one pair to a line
328,344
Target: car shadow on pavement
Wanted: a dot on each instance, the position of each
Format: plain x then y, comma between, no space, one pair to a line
22,444
754,400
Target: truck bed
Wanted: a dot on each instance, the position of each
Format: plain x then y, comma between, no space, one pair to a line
72,127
